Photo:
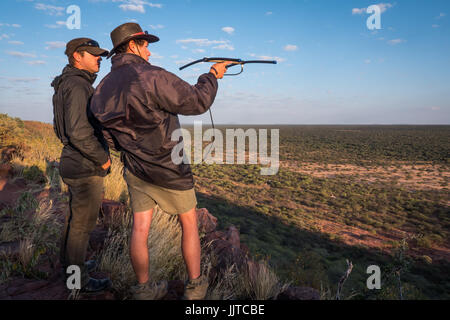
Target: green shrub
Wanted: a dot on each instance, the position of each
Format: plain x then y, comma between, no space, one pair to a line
34,174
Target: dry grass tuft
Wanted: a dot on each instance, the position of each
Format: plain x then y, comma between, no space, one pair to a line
259,282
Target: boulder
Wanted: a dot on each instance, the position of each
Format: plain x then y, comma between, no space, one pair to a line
206,222
233,237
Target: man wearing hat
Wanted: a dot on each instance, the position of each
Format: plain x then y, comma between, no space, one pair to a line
137,105
85,156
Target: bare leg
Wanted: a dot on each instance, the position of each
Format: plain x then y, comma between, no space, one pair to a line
138,244
190,243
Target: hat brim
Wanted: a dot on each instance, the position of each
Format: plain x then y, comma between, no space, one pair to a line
95,51
149,37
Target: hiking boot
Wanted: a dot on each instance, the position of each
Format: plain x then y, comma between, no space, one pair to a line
149,291
196,289
96,285
90,265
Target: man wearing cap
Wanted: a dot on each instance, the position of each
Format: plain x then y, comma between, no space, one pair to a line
137,105
85,156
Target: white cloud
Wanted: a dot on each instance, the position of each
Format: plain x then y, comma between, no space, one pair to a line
367,61
23,79
269,13
435,108
57,25
137,5
383,8
198,50
4,36
55,45
16,42
225,46
278,59
198,42
49,9
14,25
358,11
441,15
158,26
290,47
435,26
21,54
396,41
219,44
36,62
229,30
132,7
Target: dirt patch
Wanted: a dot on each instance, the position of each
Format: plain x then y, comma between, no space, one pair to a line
420,177
383,241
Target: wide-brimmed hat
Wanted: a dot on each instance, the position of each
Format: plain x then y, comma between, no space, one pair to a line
129,31
85,44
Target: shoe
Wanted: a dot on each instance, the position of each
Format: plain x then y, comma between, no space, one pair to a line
96,285
90,265
196,289
149,291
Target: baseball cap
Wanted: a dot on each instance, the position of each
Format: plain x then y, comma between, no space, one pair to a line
85,44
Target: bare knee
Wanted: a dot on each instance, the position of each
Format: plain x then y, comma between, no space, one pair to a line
142,222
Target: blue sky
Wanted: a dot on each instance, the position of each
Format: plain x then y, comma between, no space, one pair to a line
332,69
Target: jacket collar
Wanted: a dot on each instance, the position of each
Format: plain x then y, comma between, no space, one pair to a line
126,58
70,71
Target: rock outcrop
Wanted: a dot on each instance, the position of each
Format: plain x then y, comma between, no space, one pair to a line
224,245
228,249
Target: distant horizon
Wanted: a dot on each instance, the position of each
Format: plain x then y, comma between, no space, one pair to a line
281,125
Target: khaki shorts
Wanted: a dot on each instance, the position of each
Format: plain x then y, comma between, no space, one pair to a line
145,196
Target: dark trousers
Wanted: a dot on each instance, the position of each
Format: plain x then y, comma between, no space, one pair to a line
85,200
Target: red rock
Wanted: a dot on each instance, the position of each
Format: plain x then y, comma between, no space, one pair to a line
6,170
206,221
11,192
233,236
215,235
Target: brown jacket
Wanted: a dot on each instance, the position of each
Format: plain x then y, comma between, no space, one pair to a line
137,105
